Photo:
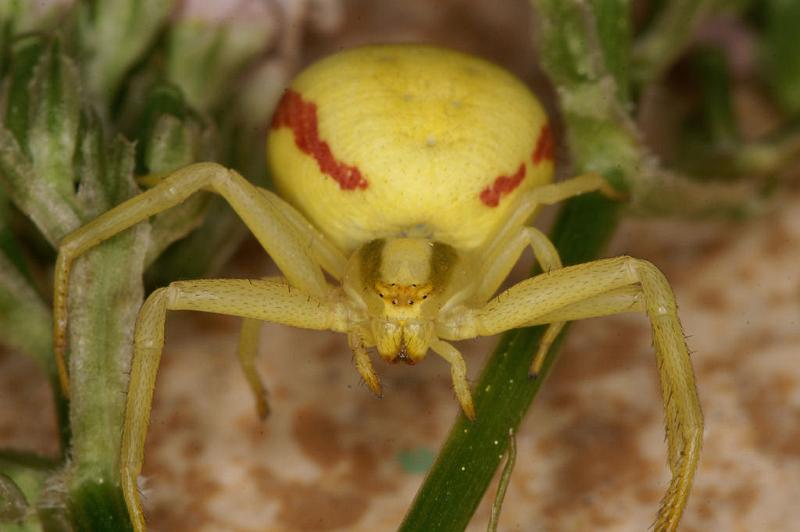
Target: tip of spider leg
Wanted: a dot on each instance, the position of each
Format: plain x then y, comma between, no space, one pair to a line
470,414
65,390
374,385
375,388
468,408
533,375
262,406
63,379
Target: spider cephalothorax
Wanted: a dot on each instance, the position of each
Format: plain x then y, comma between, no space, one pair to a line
411,278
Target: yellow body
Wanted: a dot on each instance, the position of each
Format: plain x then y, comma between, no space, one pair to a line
430,129
411,174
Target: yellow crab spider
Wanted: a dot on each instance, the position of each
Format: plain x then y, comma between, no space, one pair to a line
409,174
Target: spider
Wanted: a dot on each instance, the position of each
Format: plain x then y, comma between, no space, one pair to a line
409,174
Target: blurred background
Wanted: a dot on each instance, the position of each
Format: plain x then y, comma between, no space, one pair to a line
718,102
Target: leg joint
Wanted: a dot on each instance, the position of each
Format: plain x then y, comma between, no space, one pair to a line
221,177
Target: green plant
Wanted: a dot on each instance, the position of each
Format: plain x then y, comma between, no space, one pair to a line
67,153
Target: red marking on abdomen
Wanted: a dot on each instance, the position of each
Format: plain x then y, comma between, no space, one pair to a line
300,116
503,185
545,145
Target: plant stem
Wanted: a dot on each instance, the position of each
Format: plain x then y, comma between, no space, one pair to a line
667,37
780,51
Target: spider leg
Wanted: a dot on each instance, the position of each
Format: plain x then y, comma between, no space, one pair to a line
626,299
319,248
268,299
605,287
247,351
498,264
324,253
358,345
286,241
504,251
458,372
549,194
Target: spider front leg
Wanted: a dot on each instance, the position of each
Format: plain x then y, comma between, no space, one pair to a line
458,373
299,251
505,253
268,300
356,339
606,287
247,351
495,266
550,194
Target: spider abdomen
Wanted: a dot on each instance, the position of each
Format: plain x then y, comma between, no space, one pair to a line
408,140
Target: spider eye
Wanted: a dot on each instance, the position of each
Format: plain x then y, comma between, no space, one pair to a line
381,295
425,296
394,301
410,301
